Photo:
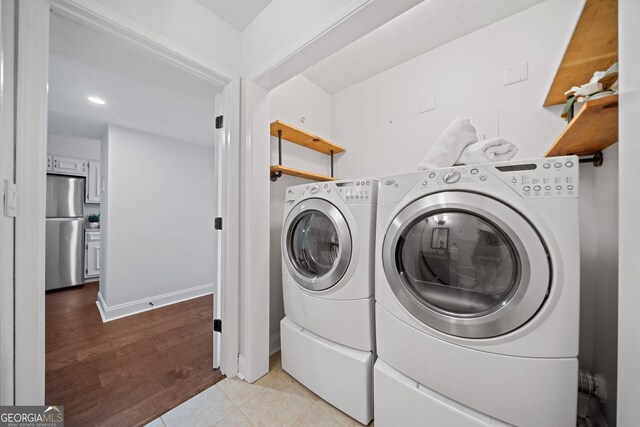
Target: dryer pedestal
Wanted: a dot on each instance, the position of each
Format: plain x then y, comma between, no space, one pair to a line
340,375
400,401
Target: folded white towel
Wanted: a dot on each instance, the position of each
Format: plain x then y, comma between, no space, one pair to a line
490,150
449,145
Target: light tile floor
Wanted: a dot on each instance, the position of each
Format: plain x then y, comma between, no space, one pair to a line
276,399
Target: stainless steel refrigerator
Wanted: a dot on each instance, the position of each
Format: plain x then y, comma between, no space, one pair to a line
65,232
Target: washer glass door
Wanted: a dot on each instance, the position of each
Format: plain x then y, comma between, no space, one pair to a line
318,244
466,264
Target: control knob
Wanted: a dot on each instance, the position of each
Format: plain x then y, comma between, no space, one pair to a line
451,177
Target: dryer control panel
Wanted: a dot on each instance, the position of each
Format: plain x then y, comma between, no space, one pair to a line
541,178
550,177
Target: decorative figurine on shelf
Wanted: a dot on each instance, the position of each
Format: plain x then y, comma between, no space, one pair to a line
603,83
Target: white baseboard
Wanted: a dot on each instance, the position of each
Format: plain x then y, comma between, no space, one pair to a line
274,343
123,310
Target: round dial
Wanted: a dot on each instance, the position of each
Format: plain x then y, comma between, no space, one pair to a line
451,177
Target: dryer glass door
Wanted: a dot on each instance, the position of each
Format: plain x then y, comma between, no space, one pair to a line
318,244
458,263
466,264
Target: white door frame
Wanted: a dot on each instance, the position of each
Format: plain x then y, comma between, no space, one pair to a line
32,58
31,149
227,155
229,265
7,148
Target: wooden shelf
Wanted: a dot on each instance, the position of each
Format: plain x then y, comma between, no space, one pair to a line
306,139
300,173
593,47
593,128
285,131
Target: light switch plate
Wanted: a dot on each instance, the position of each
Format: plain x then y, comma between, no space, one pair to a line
516,73
10,198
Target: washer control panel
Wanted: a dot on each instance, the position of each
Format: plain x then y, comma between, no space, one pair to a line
356,191
552,177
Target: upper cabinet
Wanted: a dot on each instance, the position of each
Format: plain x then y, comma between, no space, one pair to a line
69,166
93,189
81,167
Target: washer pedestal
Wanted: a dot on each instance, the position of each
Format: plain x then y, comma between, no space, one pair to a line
340,375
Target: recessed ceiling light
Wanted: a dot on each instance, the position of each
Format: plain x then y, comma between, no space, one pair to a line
96,100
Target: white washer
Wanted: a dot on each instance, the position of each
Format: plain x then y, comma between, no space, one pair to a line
477,295
327,336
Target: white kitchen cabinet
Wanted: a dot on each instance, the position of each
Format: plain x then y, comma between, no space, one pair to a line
92,187
92,254
49,163
69,165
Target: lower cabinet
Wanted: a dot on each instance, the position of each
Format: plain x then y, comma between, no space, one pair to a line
92,254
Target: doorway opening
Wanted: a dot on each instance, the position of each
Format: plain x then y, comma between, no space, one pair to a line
133,262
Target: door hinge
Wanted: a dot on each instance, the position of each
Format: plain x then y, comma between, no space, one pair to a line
219,122
217,325
217,223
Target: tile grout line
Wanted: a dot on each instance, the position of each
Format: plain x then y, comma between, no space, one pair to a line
237,407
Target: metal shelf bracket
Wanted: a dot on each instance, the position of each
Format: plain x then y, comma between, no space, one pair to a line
597,159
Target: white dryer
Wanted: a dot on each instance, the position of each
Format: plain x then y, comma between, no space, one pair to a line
477,295
327,336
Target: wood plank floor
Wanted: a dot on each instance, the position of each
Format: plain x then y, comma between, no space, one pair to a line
129,371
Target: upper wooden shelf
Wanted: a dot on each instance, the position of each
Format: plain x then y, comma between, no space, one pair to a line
593,47
306,139
592,129
300,173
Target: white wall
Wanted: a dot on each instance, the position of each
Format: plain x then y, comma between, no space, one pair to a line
73,146
378,119
629,292
186,24
104,217
599,273
289,102
159,209
281,22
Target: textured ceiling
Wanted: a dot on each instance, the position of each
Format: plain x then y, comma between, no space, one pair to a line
238,13
421,29
141,92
